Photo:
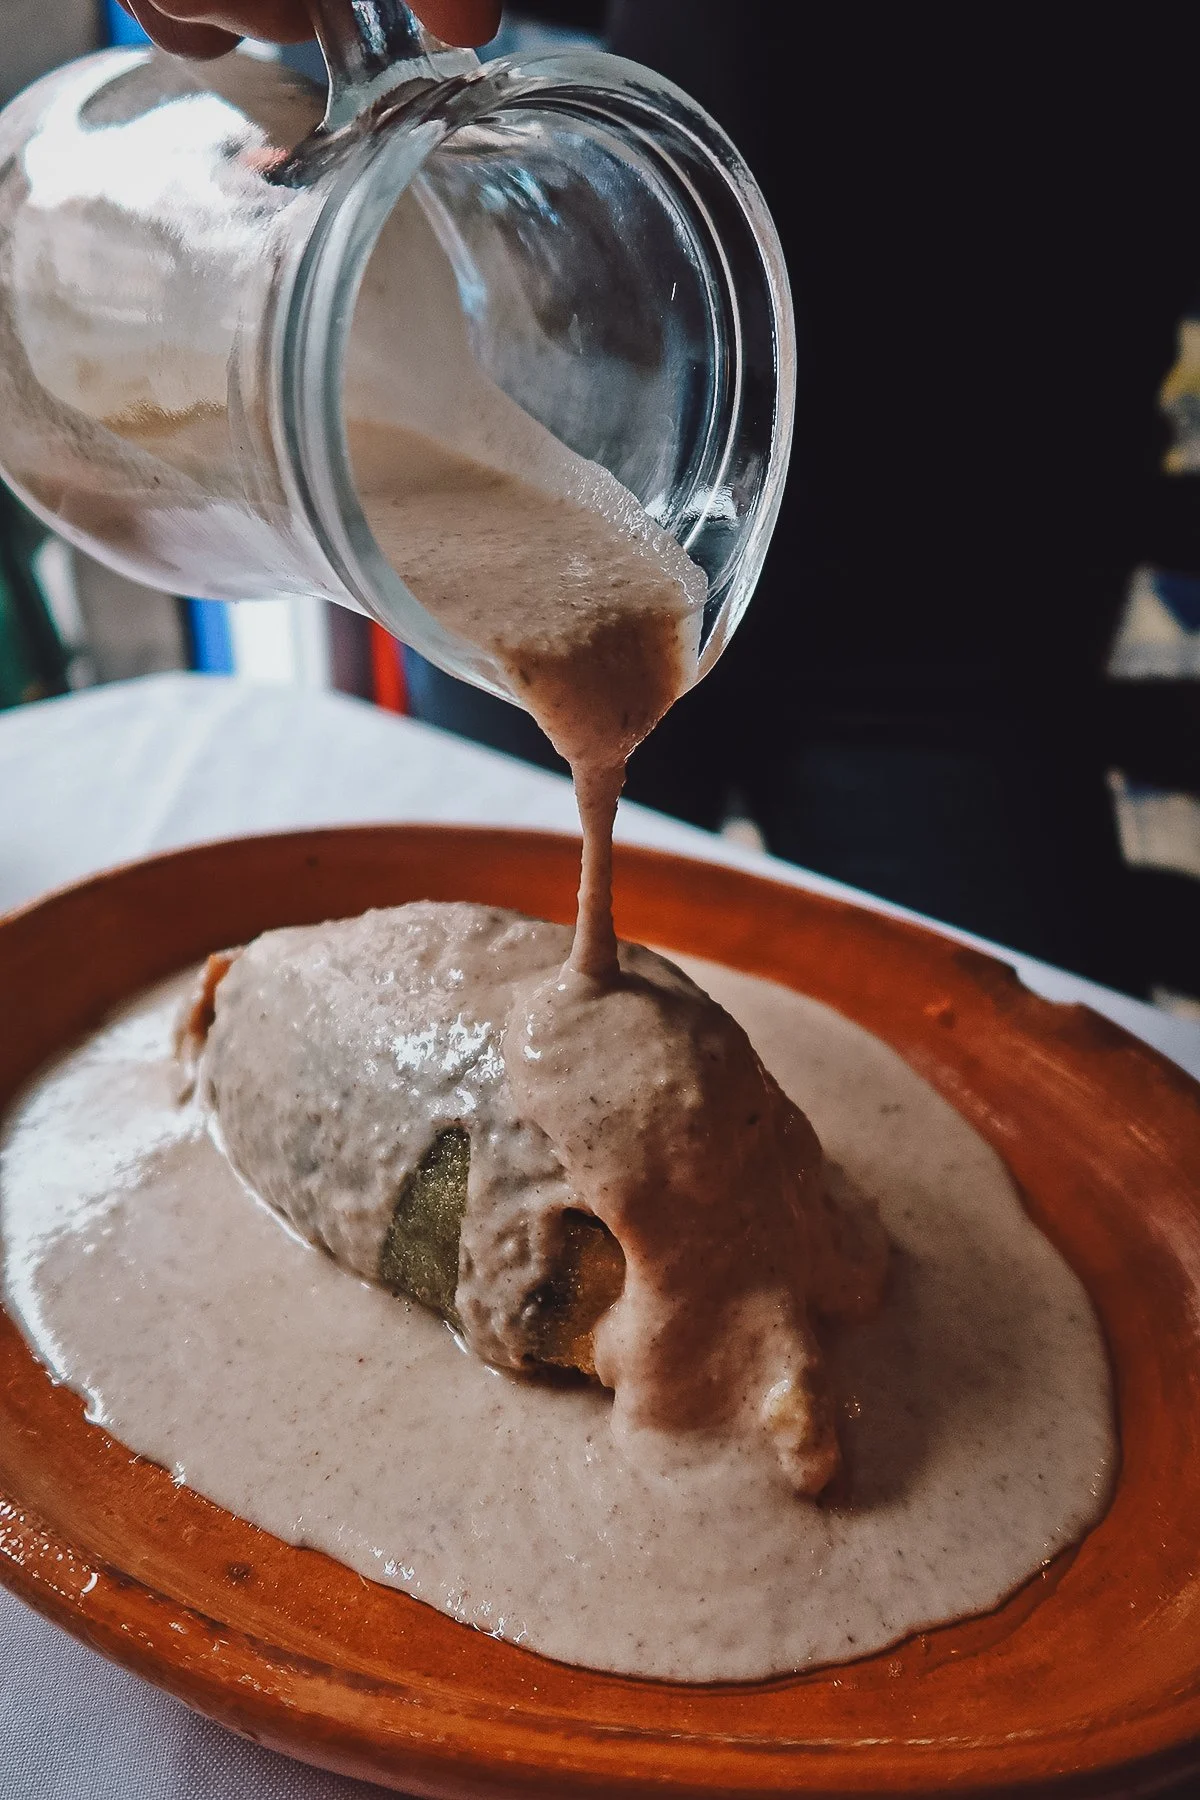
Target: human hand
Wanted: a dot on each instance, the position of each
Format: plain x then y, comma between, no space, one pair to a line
206,28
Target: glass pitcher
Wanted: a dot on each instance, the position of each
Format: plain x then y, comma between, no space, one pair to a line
209,271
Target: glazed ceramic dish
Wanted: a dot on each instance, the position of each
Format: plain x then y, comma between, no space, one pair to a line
1089,1678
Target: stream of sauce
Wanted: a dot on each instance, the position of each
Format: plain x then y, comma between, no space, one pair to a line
592,612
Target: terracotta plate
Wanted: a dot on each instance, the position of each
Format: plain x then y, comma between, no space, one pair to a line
1089,1677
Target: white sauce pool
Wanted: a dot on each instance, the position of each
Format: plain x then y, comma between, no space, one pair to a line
975,1409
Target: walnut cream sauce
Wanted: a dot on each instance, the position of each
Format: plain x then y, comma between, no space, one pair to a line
973,1407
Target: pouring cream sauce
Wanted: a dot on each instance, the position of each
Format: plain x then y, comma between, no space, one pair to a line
590,610
643,1100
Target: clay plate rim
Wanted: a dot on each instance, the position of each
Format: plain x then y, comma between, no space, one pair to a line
1086,1682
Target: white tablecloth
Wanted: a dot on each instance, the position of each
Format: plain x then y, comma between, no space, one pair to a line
124,771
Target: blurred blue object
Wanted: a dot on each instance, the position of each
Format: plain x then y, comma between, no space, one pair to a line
519,36
1180,594
121,28
212,639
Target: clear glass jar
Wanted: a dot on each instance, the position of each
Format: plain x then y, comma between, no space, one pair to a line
208,269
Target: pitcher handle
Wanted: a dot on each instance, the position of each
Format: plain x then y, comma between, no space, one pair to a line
372,47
